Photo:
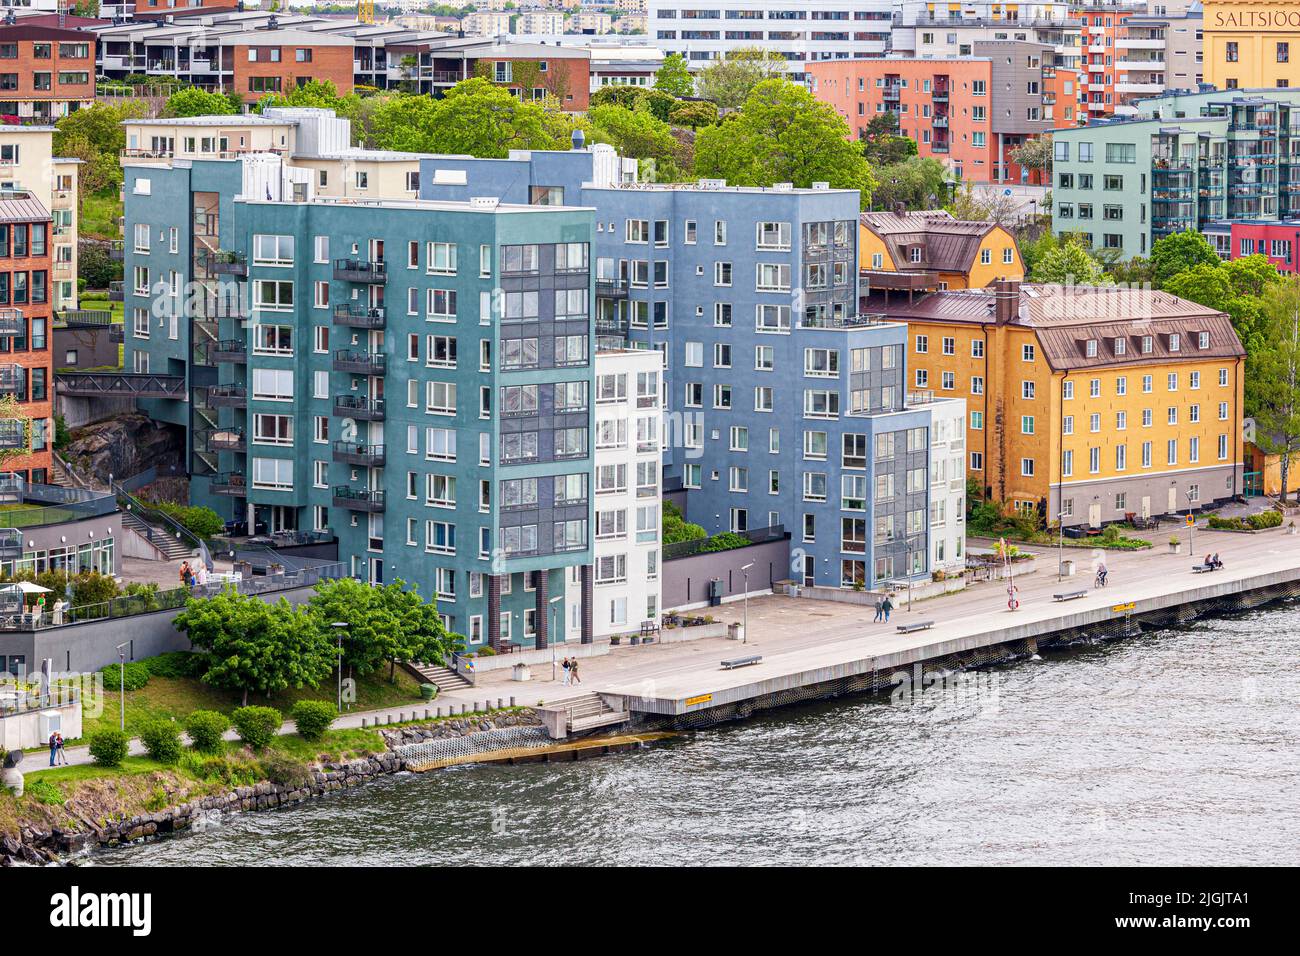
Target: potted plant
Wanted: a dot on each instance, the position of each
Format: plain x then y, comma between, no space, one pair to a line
1175,546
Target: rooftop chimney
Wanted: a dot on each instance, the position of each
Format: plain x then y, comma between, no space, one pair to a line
578,139
1006,296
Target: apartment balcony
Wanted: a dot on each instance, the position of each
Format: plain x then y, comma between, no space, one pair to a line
1124,87
1139,43
359,316
355,360
611,288
12,379
117,250
230,351
115,292
225,439
362,409
354,453
361,270
231,483
226,264
228,396
940,122
12,322
13,433
11,544
358,500
1154,66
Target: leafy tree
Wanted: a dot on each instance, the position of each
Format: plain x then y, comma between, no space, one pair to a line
1136,272
321,94
695,113
639,134
196,102
255,646
674,78
1179,252
987,205
1069,262
881,143
783,134
729,82
474,117
1273,376
1035,155
96,137
96,266
625,96
1233,287
918,182
421,636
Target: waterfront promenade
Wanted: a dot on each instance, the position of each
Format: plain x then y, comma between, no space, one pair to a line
803,642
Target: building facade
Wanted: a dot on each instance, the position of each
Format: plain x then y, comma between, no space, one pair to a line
932,250
27,163
1087,403
45,72
1248,45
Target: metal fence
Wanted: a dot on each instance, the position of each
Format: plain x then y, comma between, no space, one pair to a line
18,700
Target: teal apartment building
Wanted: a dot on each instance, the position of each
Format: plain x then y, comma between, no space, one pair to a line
1187,161
412,377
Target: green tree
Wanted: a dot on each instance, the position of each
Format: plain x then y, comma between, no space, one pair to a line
1234,287
783,134
729,82
196,102
421,636
1035,155
474,117
1069,262
881,143
96,137
638,134
1179,252
695,113
255,646
1273,376
674,78
918,182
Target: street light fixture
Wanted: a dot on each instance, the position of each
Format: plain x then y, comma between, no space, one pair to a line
554,610
1060,559
121,670
339,628
744,632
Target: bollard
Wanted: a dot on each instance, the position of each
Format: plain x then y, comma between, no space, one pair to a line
426,713
438,712
512,701
462,709
363,723
499,702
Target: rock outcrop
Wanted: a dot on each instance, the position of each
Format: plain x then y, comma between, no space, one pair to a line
125,446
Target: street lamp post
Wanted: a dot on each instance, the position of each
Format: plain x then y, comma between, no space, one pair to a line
339,628
121,671
744,633
554,611
1060,546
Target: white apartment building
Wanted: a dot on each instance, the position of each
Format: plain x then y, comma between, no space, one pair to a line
540,21
487,24
921,29
628,496
802,31
948,486
27,162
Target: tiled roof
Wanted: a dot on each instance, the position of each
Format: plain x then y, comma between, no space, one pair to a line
947,244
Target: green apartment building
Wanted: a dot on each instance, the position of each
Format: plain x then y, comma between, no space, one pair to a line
1186,161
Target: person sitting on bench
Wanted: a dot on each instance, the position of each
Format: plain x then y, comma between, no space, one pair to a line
1209,560
1215,562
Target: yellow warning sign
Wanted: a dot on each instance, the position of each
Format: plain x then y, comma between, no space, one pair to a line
702,699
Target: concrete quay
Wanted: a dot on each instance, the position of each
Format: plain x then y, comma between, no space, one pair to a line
814,649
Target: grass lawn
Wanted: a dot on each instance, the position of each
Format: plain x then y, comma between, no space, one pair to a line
176,696
99,212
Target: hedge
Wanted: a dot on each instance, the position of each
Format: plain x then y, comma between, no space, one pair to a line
313,718
256,726
162,740
206,729
109,747
1256,522
137,676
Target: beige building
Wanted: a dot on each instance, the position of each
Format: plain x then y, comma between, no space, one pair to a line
594,23
27,162
540,21
481,24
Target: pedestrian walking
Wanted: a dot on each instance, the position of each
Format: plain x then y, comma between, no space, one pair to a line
573,671
564,665
880,610
886,605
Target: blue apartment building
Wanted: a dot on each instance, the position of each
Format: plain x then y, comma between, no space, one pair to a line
413,378
786,407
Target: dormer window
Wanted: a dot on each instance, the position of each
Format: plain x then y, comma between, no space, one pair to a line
1203,340
1120,346
914,254
1090,348
1146,345
1173,341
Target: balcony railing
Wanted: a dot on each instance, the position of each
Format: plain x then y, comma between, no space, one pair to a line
359,316
361,270
228,396
13,433
358,454
11,544
355,360
12,322
230,483
117,250
225,263
358,500
355,406
232,351
115,292
225,439
842,321
612,288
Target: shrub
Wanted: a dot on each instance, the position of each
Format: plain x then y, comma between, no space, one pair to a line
1265,519
206,729
313,718
177,664
43,791
198,520
109,747
136,677
285,770
162,739
725,542
256,726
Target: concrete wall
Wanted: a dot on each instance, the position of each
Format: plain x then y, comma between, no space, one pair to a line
20,731
78,411
93,644
686,580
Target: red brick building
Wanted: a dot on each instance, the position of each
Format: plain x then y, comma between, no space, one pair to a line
280,60
26,364
45,72
1278,241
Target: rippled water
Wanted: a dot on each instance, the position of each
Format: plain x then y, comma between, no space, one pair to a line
1172,748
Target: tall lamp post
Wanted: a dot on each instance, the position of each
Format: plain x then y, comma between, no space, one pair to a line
554,613
1060,546
339,628
121,670
744,632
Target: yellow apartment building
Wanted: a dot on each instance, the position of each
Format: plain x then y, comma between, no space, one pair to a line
932,250
1091,403
1251,44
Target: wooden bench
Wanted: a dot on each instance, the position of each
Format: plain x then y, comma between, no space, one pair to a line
649,630
915,626
1202,568
508,647
741,662
1070,595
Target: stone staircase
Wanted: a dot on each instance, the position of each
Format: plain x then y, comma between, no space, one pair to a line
589,712
443,678
172,548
